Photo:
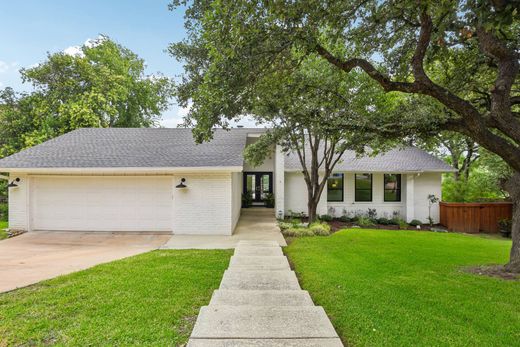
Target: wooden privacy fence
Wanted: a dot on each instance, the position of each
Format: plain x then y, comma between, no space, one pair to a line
474,217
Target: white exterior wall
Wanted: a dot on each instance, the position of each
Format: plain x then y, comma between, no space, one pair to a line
18,203
296,195
279,182
425,184
209,205
420,187
205,206
384,209
236,198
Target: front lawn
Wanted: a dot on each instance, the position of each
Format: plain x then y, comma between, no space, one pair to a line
3,233
405,288
150,299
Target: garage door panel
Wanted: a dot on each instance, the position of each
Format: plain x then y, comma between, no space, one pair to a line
102,203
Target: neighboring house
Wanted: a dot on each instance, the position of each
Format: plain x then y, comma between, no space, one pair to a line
133,180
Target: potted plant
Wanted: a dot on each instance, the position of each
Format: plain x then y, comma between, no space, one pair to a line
504,226
247,199
269,200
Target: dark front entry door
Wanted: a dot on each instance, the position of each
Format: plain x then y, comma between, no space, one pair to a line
258,184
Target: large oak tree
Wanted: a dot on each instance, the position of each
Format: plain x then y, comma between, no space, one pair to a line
232,44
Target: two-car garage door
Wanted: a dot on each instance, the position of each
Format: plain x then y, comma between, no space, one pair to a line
102,203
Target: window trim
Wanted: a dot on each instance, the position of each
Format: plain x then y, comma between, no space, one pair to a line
371,187
342,187
399,182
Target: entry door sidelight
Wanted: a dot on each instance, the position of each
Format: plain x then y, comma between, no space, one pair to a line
259,184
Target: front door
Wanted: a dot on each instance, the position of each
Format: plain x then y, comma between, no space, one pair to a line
258,184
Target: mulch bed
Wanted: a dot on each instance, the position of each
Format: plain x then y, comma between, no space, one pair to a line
497,271
338,225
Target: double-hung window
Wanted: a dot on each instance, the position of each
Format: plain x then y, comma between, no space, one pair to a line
363,187
335,188
392,187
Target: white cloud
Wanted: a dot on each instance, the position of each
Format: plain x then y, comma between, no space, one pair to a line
1,85
183,111
5,66
74,51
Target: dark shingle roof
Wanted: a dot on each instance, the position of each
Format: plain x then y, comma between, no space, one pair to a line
170,148
395,160
137,148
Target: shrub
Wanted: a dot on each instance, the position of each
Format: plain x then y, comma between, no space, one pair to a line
320,229
297,232
505,226
316,228
415,222
345,219
394,221
383,221
402,223
364,221
284,225
326,217
247,199
295,221
4,212
372,213
269,200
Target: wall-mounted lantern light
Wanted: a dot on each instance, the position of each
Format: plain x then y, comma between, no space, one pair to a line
181,185
13,184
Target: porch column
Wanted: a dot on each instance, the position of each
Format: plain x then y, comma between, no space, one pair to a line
410,205
279,182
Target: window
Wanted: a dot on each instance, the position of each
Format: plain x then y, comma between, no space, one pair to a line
335,187
363,187
392,187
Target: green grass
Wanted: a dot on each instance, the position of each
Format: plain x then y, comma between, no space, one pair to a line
150,299
406,288
3,233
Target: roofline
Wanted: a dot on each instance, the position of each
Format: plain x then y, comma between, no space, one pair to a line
123,170
382,171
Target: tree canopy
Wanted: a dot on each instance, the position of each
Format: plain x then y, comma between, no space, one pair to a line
232,45
102,85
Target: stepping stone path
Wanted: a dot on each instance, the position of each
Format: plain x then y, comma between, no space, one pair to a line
260,303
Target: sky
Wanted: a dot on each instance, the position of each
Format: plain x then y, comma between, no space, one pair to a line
31,28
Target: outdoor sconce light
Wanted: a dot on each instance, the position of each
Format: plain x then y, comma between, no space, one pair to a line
181,185
13,184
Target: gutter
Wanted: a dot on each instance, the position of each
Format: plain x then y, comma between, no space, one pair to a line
125,170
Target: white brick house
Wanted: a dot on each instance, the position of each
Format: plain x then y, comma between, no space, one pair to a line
130,180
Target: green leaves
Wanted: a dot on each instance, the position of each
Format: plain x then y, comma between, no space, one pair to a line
104,85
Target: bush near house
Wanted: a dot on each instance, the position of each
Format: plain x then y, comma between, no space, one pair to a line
4,211
299,230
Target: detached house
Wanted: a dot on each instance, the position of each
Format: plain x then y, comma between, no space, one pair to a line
160,180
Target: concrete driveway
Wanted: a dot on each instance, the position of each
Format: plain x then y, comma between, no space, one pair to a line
36,256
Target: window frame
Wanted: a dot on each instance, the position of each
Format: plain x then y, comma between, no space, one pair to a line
399,189
371,187
342,187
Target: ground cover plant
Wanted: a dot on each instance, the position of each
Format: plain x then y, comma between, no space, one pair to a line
409,288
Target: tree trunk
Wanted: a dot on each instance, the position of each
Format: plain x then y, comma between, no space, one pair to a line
513,187
312,206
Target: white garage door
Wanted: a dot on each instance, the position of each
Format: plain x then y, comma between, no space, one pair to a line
119,203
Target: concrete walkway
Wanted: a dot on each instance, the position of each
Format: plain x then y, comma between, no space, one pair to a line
260,303
257,223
